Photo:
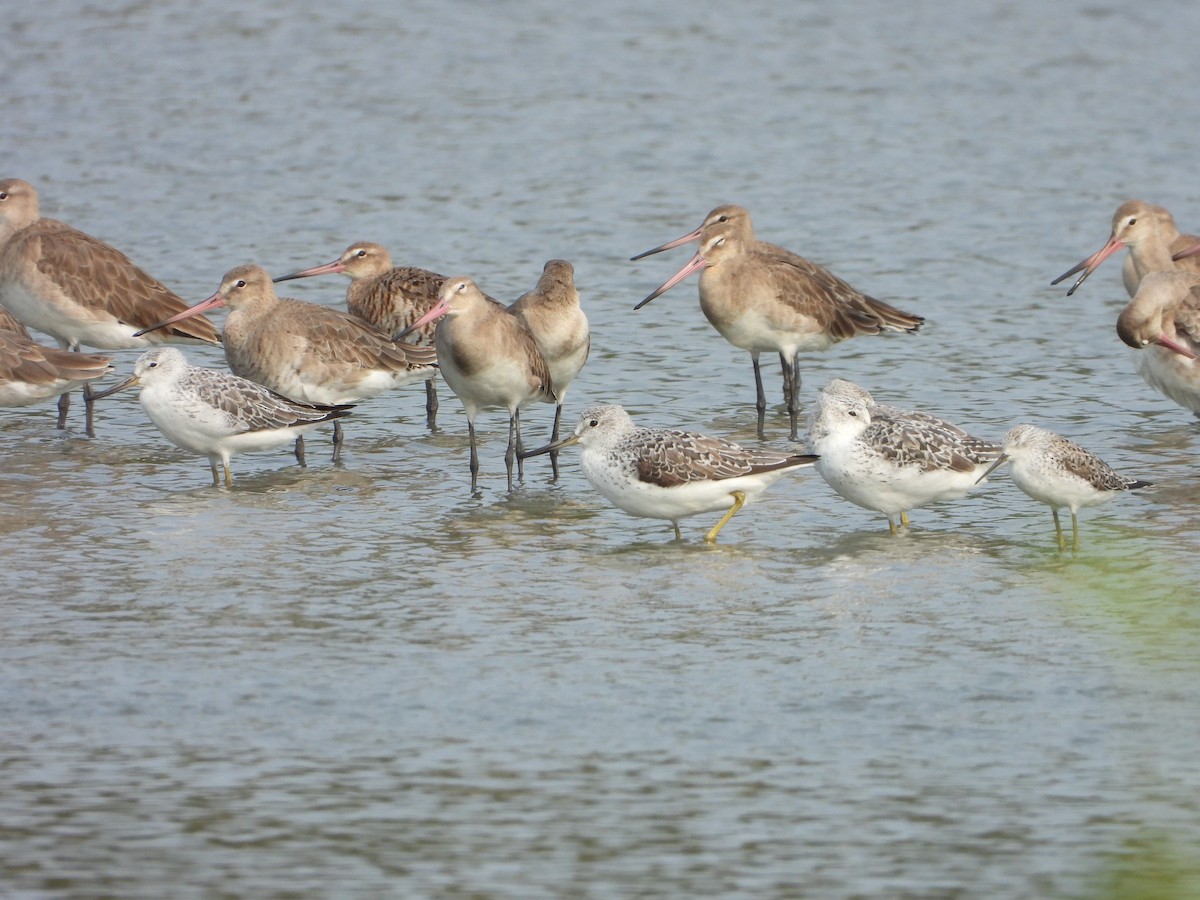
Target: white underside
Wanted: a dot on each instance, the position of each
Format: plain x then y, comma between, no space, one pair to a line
70,325
208,431
1171,374
1056,488
867,479
504,383
620,486
18,393
304,387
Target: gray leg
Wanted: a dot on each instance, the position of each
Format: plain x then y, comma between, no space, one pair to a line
89,404
431,404
474,457
760,398
510,452
553,438
299,454
519,446
337,440
64,404
791,390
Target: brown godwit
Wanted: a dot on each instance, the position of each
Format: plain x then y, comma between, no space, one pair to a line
489,358
389,297
78,289
30,372
763,298
560,329
1153,240
1163,321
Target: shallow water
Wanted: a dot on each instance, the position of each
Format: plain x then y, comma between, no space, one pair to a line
361,680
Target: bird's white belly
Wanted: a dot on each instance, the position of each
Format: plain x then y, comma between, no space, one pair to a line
1172,375
619,484
68,323
1056,488
871,481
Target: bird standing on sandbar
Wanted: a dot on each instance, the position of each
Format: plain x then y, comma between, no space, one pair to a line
311,353
763,298
489,358
659,473
78,289
217,414
552,313
888,459
1058,472
389,297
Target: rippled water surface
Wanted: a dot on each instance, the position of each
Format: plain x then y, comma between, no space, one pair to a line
360,680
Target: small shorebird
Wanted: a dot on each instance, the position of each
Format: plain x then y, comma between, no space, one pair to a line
30,372
658,473
489,358
1153,240
389,297
78,289
763,298
1058,472
1163,321
311,353
217,414
560,329
888,459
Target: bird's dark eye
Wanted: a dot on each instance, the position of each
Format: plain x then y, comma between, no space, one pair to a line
1133,221
852,412
723,219
594,423
152,365
361,253
3,195
240,284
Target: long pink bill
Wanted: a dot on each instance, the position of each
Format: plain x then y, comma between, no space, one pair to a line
697,263
1190,251
438,310
669,245
1089,265
1171,344
332,268
213,302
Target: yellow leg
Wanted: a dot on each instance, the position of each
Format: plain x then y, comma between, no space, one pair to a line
1062,542
1075,530
892,524
678,533
739,500
228,476
216,477
904,518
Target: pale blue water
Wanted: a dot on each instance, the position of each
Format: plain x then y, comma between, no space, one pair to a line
360,681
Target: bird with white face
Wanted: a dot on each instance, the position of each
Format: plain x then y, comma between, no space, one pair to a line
488,358
218,414
1058,472
661,473
888,459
